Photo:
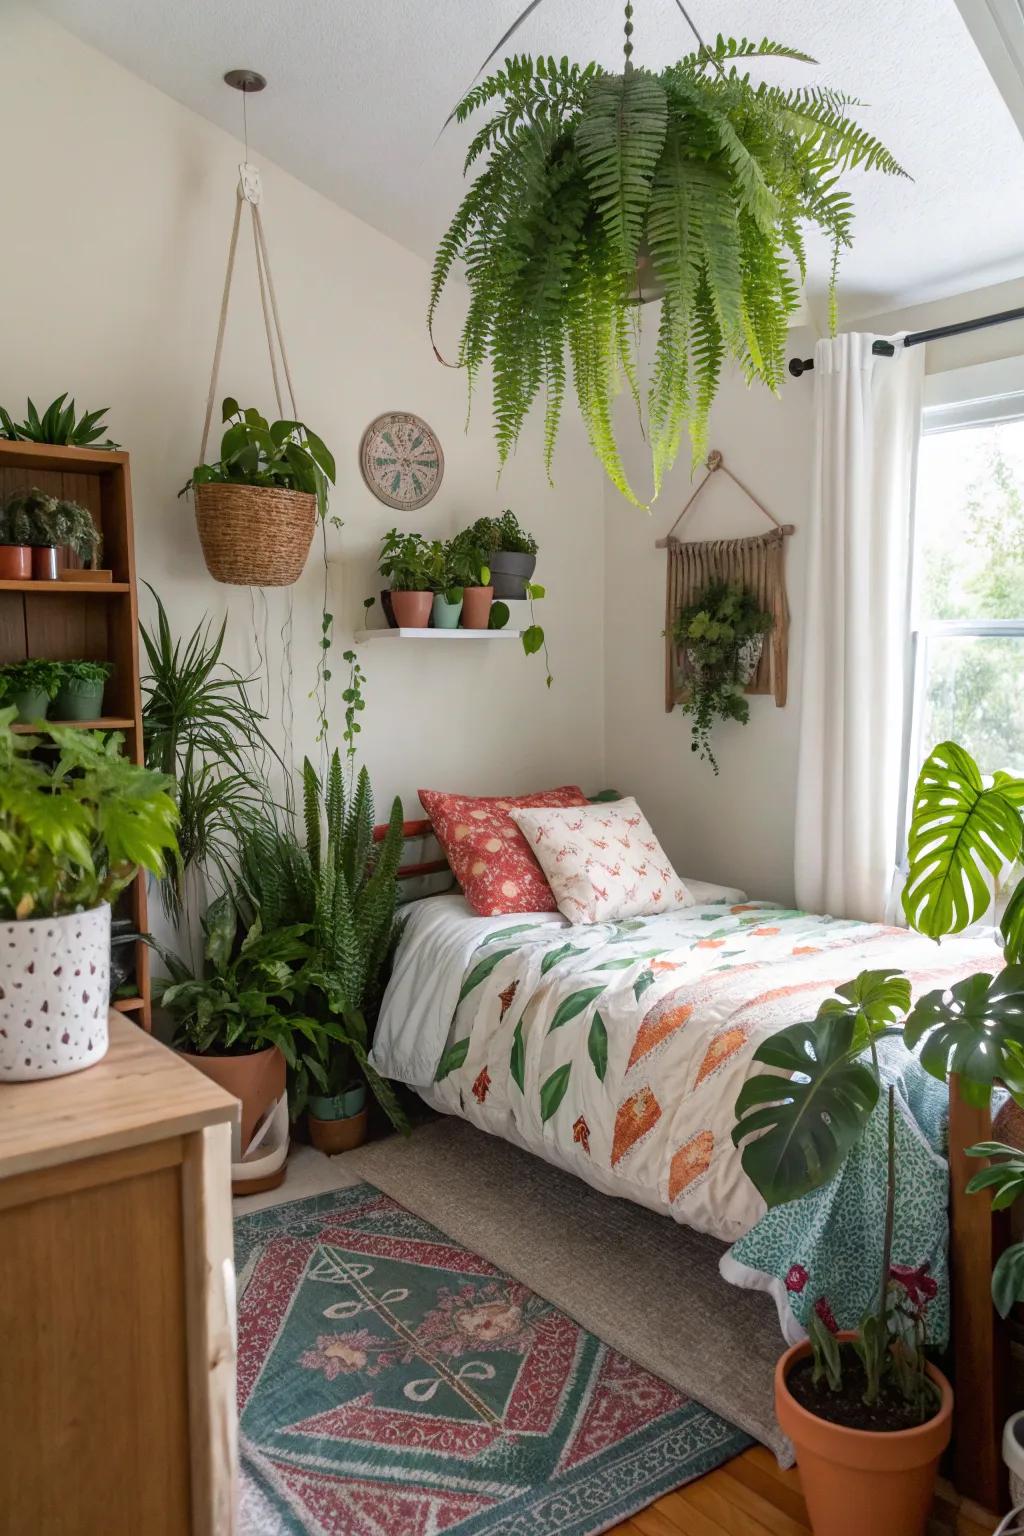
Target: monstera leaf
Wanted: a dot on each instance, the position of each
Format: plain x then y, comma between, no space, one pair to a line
975,1029
873,1000
1012,927
809,1121
961,833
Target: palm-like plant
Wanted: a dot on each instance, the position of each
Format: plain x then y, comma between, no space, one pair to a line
333,878
202,728
695,171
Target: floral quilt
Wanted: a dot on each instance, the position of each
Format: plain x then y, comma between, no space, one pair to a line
617,1051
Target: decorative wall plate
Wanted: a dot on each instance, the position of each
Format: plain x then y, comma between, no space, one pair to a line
401,460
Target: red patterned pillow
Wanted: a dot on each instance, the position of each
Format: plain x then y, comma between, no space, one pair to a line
489,856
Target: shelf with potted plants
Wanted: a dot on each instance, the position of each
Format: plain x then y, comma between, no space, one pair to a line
65,508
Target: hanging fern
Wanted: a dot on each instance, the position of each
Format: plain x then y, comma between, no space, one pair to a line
712,175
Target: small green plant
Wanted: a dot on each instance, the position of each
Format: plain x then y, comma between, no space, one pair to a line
253,451
511,538
533,637
30,677
84,671
352,697
408,562
32,517
58,424
74,832
719,634
248,995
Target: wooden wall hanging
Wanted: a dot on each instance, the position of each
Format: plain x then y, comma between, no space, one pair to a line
756,563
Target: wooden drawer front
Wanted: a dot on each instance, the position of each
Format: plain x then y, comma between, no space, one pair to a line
93,1388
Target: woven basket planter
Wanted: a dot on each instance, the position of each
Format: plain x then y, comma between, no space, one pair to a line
254,535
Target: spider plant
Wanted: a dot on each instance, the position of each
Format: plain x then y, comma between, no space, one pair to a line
203,729
589,179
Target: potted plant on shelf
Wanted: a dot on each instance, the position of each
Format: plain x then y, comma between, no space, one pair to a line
256,507
408,563
341,883
466,554
721,637
15,542
80,692
73,834
58,424
28,687
512,557
701,173
49,523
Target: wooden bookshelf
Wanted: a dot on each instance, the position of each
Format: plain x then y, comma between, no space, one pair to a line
72,620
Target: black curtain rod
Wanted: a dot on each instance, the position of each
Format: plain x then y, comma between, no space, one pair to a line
799,365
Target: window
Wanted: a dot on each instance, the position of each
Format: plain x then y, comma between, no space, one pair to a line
968,571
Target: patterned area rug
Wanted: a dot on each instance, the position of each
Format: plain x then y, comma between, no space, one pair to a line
392,1383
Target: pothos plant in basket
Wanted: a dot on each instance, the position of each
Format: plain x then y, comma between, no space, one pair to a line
722,635
696,177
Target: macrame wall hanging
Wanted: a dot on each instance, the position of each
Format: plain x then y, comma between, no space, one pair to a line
756,563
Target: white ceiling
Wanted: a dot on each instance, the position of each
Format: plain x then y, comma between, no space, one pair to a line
358,92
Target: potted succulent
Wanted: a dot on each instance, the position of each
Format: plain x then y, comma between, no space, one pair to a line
721,636
581,175
28,687
408,563
58,424
80,692
15,542
256,507
512,557
236,1020
75,831
48,523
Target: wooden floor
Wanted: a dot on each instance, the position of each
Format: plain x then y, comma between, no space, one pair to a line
752,1496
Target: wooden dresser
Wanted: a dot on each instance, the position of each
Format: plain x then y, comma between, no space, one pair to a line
117,1315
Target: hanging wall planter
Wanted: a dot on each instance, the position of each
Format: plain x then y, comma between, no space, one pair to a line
598,191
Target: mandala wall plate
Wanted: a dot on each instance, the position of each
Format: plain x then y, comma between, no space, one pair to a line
401,460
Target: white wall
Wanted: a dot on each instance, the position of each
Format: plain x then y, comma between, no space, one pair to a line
117,209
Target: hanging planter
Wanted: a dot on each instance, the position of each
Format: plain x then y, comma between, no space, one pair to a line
599,191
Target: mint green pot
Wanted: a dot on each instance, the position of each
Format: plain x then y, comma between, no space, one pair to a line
446,615
340,1106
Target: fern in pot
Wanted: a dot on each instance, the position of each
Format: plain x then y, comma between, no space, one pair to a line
80,692
586,182
74,831
721,637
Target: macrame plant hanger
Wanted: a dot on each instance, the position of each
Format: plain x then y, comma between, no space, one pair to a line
756,564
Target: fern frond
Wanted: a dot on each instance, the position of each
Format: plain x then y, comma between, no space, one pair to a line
311,814
620,137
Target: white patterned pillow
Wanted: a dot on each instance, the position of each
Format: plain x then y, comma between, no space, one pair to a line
602,861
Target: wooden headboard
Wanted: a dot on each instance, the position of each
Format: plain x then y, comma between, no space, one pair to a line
424,870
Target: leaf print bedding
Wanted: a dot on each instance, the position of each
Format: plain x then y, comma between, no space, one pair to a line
617,1051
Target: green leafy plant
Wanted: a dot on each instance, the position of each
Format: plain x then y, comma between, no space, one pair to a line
84,671
32,517
327,873
533,637
75,831
465,555
408,562
58,424
707,176
253,451
510,537
202,729
247,997
30,677
718,634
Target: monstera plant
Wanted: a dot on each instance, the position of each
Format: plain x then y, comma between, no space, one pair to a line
599,190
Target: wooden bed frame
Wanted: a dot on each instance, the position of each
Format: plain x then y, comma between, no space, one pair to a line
980,1338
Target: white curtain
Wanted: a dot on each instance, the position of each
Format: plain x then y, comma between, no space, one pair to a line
856,624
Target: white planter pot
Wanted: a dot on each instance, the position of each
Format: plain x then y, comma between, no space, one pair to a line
54,994
747,658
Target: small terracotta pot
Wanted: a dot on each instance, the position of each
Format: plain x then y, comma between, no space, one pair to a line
333,1136
476,607
257,1079
412,609
858,1482
44,563
15,562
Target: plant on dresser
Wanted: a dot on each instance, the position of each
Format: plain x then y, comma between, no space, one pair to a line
75,829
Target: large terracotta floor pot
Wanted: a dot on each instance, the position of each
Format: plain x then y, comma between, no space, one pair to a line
859,1483
257,1079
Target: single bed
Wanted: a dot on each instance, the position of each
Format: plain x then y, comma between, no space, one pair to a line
617,1051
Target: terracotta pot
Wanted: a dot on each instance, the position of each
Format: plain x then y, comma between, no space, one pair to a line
333,1136
257,1080
858,1482
44,563
476,607
412,609
15,562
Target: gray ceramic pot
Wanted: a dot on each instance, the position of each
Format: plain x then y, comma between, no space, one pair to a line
510,573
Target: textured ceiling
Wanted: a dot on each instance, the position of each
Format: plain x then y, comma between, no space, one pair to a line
357,94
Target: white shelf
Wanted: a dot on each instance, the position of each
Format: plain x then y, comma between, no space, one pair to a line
436,634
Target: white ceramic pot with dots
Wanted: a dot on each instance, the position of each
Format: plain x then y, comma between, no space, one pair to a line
54,994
